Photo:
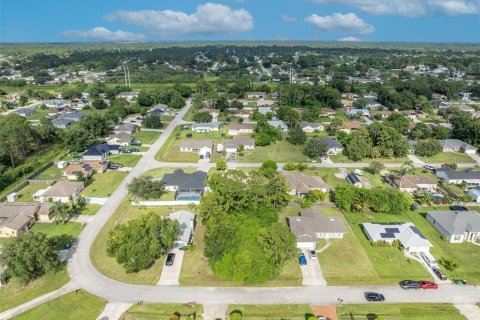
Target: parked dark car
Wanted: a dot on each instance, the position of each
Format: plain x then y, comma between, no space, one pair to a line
135,143
373,296
458,208
170,259
114,166
439,274
409,284
445,165
134,150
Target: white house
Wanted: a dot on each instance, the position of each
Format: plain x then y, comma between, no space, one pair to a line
456,226
62,191
232,145
475,194
186,225
207,126
455,145
235,128
278,123
471,178
202,147
310,127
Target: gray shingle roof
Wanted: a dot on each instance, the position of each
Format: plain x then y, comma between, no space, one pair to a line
184,180
310,222
459,175
332,142
457,222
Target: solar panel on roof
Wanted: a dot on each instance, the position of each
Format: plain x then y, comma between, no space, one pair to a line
415,229
392,230
387,235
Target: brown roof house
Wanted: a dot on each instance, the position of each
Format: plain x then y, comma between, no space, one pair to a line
16,218
312,225
61,191
350,126
232,145
412,183
327,112
235,128
202,147
300,184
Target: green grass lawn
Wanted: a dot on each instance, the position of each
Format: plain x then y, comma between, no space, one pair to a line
15,293
163,312
197,272
40,114
389,263
411,311
448,157
107,265
146,137
328,175
73,306
66,232
104,184
466,255
126,160
51,173
277,312
281,151
25,194
340,158
160,172
88,209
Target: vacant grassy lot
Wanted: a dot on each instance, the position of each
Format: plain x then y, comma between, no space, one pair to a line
40,114
277,312
15,293
146,137
281,151
197,272
163,312
389,262
65,232
73,306
104,184
107,265
328,175
448,157
411,311
51,173
126,160
26,194
340,158
466,255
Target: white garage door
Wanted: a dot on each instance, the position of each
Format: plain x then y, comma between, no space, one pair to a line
306,245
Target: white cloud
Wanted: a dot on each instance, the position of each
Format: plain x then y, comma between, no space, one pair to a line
350,39
288,18
409,8
209,19
455,7
346,23
103,34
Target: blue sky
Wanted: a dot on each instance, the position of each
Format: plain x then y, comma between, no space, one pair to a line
160,20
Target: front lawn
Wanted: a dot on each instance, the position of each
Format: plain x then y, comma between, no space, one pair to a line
77,305
66,232
280,151
328,175
26,193
88,209
146,137
163,312
126,160
448,157
340,158
51,173
104,184
272,311
410,311
108,265
15,293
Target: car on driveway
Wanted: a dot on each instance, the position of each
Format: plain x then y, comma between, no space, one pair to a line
170,259
409,284
445,165
358,172
458,208
439,274
373,296
136,143
302,259
312,254
429,168
428,285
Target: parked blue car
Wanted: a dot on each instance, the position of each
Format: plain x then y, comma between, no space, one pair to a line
302,259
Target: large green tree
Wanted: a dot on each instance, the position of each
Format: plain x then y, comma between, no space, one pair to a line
146,188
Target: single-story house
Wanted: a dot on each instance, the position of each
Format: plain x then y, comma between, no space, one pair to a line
72,170
129,96
62,191
352,178
475,194
278,123
265,110
456,226
232,145
99,151
372,104
255,95
25,112
412,183
264,102
350,126
56,103
346,103
414,115
300,183
383,114
312,225
120,138
333,145
370,95
242,113
471,178
311,126
61,123
455,145
126,128
236,128
74,116
408,234
207,126
353,112
18,217
80,104
187,186
350,95
186,225
327,112
202,147
158,110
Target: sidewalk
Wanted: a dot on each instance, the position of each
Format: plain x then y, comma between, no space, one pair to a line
470,311
114,310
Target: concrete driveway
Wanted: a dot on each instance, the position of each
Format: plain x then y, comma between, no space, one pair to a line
170,274
312,273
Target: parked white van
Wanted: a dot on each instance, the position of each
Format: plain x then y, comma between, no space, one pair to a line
429,259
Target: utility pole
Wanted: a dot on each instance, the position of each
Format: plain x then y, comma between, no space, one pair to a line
125,74
128,73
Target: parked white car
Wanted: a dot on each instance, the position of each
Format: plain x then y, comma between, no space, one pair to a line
358,172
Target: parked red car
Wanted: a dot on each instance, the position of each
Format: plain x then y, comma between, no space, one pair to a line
428,285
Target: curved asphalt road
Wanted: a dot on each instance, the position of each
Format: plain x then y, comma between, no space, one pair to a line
84,274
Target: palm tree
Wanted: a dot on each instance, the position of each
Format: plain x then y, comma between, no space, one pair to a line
406,168
60,212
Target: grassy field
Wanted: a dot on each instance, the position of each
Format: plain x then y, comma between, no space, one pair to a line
328,175
52,173
197,272
146,137
40,114
107,265
411,311
466,255
126,160
390,264
281,151
104,184
65,232
25,194
448,157
73,306
340,158
160,172
15,293
89,209
163,312
277,312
